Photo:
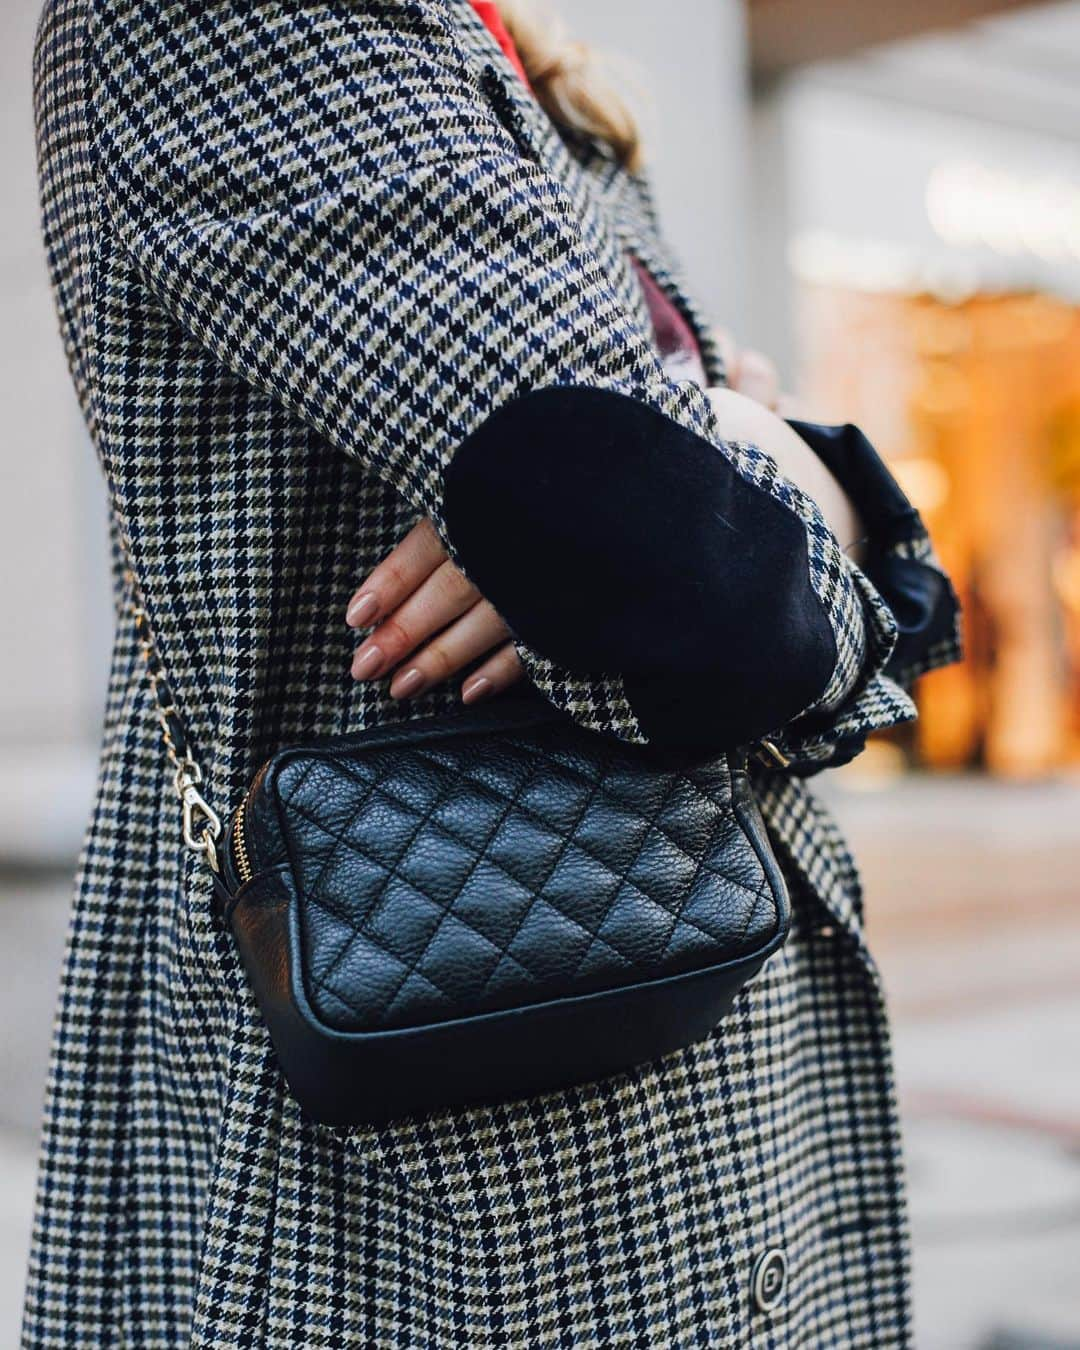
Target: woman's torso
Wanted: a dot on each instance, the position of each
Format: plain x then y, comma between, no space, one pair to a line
624,1214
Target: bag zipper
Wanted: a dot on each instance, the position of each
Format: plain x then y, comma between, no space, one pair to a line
239,844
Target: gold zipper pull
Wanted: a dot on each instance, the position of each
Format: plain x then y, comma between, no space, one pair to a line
771,755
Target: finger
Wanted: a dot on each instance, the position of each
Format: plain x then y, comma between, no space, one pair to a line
497,673
728,349
443,597
757,377
397,576
467,639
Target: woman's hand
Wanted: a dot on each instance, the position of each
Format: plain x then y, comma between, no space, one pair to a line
429,622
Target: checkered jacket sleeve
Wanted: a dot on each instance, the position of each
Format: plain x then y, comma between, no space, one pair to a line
332,199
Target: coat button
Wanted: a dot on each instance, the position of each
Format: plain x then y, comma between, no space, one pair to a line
769,1279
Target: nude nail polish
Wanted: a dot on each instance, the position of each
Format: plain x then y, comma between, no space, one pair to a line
474,690
410,683
362,611
366,663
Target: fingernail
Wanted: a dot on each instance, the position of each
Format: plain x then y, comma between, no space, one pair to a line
361,611
366,663
409,683
475,689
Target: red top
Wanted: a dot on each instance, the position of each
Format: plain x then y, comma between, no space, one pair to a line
675,340
488,10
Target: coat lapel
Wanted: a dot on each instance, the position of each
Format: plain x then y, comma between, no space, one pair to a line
595,181
614,205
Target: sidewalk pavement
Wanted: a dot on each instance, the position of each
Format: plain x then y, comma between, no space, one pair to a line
18,1162
973,910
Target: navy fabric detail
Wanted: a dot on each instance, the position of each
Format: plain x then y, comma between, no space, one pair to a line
921,598
864,476
613,539
843,750
923,602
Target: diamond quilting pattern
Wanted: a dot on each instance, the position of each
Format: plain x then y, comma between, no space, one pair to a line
468,874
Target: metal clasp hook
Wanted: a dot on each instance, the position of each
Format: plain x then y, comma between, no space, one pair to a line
202,825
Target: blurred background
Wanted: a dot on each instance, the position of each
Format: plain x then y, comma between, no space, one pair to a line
892,211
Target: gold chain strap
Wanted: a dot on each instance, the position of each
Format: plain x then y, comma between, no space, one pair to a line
201,823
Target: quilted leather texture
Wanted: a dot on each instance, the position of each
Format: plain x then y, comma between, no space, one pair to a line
449,875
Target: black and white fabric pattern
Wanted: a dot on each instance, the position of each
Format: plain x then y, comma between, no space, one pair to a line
301,252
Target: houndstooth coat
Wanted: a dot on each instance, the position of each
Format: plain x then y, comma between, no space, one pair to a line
303,252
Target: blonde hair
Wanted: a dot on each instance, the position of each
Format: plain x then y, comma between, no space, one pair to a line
570,82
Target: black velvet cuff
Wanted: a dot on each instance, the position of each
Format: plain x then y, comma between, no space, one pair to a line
613,539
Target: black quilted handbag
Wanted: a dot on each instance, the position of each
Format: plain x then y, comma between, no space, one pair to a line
483,906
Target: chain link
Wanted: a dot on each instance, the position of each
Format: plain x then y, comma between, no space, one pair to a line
201,823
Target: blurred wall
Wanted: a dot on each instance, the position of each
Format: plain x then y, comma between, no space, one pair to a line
949,163
51,515
691,60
